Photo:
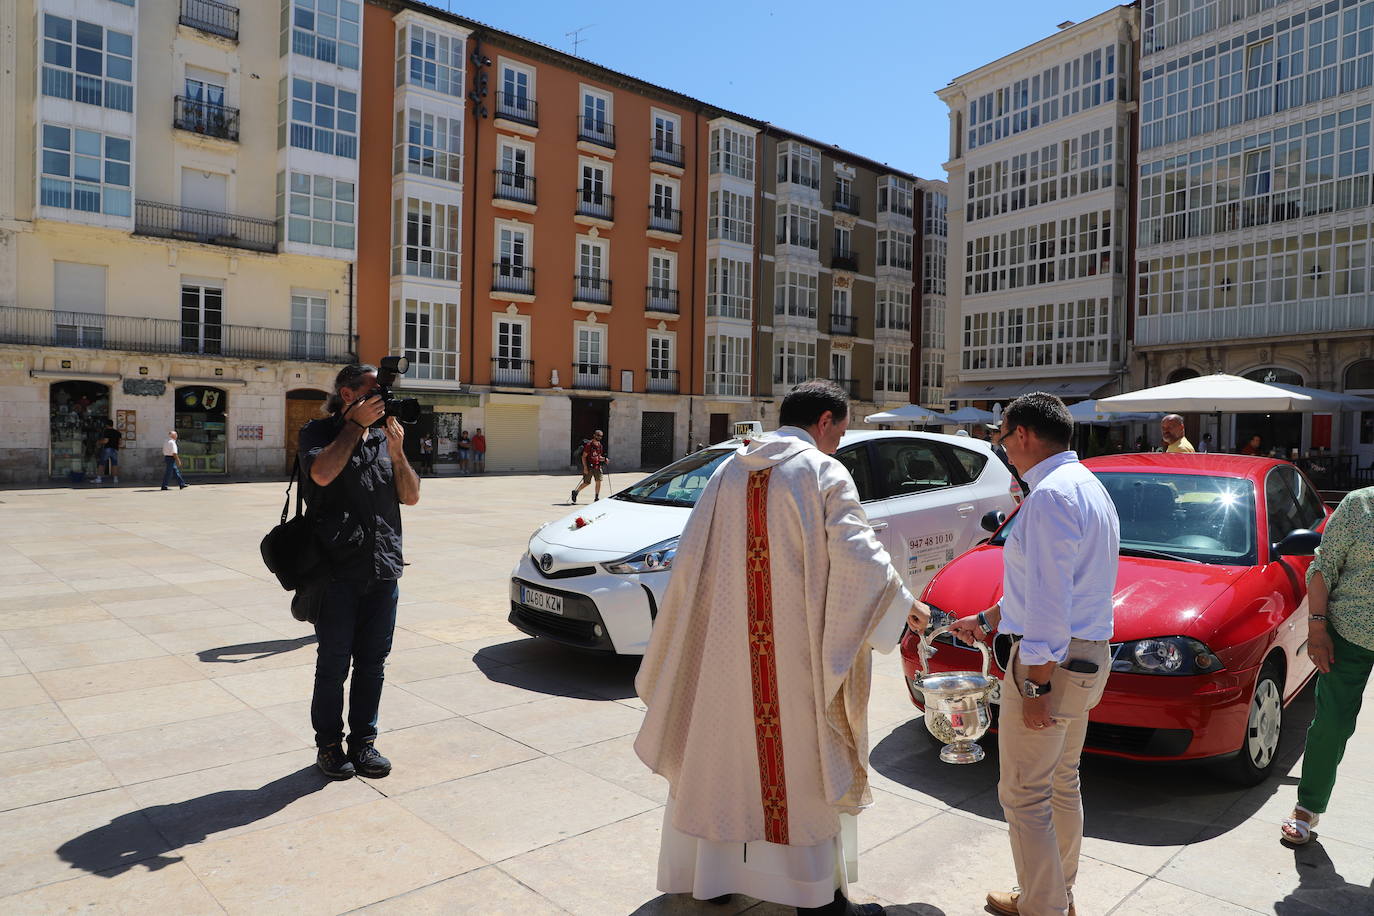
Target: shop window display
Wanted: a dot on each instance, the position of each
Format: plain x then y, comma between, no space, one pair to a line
78,412
200,424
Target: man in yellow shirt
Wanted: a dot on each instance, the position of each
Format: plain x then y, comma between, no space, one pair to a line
1171,429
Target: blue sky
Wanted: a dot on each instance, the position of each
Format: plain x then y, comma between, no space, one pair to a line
858,73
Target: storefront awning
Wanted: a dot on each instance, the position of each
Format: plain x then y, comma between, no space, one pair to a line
1007,390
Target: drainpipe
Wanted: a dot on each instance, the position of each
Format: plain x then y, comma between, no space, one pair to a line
479,111
352,342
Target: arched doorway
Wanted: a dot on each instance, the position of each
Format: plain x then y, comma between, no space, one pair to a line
1182,375
201,425
302,406
77,412
1280,433
1359,379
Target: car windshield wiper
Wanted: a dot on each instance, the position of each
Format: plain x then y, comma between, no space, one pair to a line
1156,554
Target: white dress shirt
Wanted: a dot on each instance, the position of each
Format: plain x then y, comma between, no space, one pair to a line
1059,561
169,448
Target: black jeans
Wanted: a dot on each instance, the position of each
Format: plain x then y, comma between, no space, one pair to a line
355,625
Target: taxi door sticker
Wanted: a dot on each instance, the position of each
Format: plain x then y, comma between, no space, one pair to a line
930,552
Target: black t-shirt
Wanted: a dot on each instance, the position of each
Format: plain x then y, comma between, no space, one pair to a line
111,437
358,516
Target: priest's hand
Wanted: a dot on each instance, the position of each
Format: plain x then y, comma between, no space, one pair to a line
918,618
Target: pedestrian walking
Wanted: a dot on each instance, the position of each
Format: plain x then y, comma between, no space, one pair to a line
479,452
171,461
593,461
1053,623
107,454
464,452
358,478
427,454
1175,441
1340,642
757,673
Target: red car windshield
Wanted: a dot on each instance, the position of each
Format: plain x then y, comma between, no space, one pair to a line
1190,517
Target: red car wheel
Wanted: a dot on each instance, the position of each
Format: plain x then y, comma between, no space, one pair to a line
1259,749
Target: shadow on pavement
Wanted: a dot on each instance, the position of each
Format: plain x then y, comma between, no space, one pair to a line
1143,804
127,840
1320,888
686,905
546,667
252,651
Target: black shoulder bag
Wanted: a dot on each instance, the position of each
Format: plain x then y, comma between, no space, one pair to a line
289,550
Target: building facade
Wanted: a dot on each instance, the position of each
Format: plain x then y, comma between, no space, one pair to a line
931,294
1039,215
177,193
1255,208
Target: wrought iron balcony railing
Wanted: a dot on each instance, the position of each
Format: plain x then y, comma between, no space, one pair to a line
665,219
507,370
665,151
206,118
663,381
509,277
596,204
591,288
850,385
191,225
208,16
95,331
848,203
848,325
518,108
595,376
844,259
595,131
516,186
660,299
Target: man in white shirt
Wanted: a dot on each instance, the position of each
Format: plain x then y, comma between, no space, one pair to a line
1054,620
171,460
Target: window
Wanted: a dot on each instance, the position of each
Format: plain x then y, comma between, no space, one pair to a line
794,294
732,153
855,460
892,371
844,194
731,216
593,263
429,60
664,198
894,308
911,466
322,118
665,143
595,123
971,461
316,209
512,249
799,164
425,239
202,317
894,249
844,242
727,365
515,163
590,342
895,196
839,303
308,325
661,363
87,63
595,182
729,288
429,145
839,365
795,361
427,333
326,30
798,225
78,304
85,170
662,270
511,337
516,98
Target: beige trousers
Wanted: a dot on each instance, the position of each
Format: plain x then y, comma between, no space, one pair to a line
1039,783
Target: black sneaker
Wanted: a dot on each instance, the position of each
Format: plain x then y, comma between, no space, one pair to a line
334,763
369,762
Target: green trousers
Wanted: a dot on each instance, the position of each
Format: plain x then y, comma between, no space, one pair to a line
1338,705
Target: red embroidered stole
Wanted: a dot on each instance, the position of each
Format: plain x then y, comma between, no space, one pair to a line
763,662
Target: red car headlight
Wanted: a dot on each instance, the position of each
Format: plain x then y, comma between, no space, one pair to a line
1173,655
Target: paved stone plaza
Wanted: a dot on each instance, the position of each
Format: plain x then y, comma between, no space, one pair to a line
157,754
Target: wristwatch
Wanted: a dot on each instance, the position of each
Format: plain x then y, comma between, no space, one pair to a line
1031,690
983,623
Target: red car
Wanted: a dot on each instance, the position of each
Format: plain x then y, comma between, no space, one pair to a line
1210,630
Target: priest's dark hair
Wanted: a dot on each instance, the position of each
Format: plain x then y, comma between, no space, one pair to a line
806,402
1041,413
348,377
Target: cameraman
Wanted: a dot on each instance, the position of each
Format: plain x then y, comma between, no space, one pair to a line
359,478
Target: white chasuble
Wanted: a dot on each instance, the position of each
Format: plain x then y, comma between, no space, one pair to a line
757,676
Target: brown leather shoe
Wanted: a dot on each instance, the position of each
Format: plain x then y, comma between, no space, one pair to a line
1005,902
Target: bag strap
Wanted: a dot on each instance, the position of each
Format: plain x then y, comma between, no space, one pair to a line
291,480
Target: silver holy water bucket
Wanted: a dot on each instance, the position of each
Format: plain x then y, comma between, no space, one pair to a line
956,704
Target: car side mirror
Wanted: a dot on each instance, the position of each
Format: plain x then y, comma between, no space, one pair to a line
1300,543
994,520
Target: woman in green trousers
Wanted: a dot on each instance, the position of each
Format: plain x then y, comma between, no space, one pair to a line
1340,641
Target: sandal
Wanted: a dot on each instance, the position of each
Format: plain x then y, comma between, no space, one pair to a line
1297,830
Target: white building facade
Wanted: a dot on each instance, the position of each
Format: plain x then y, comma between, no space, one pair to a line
1255,207
176,229
1039,213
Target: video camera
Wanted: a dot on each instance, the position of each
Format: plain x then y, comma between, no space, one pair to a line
407,410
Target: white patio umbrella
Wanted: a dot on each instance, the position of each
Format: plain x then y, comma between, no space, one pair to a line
907,413
1333,401
1214,394
969,415
1087,412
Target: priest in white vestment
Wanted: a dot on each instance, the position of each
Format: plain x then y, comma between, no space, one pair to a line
757,675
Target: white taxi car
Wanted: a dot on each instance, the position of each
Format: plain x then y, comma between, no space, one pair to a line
595,578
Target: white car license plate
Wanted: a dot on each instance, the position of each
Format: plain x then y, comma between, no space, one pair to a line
543,601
